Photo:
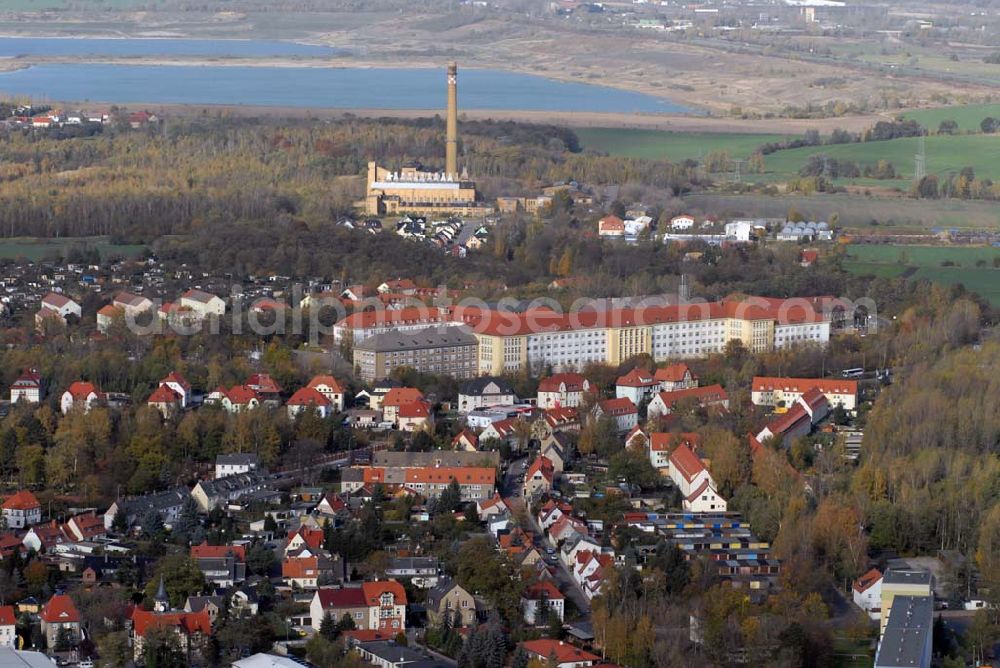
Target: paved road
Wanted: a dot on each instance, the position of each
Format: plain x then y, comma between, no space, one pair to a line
511,489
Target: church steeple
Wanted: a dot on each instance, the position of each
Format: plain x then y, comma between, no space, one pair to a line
161,602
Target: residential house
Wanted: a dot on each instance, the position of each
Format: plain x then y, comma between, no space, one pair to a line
59,305
611,226
8,626
212,605
557,653
266,387
179,384
422,572
396,397
330,388
132,305
687,470
235,463
558,448
501,431
562,390
304,538
80,395
484,392
210,494
447,597
107,316
466,440
166,504
710,396
683,222
475,482
87,526
784,392
168,402
308,399
60,616
489,507
661,444
540,600
236,399
307,571
27,387
638,385
415,416
222,565
675,377
539,477
378,605
867,593
622,411
44,537
191,629
203,303
21,510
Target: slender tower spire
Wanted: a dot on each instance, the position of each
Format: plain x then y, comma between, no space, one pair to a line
451,143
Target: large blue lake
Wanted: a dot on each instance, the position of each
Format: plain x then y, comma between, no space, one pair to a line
377,88
222,48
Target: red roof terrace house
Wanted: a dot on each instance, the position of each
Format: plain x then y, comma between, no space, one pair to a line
378,605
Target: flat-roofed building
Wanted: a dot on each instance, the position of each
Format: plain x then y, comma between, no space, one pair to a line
907,640
450,351
899,583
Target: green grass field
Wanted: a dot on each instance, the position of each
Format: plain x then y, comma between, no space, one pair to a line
945,154
890,261
968,116
672,146
35,249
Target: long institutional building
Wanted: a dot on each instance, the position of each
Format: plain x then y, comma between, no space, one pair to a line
512,341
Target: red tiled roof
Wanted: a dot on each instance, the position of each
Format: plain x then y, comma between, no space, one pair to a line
206,551
399,396
7,616
300,567
374,590
415,410
686,462
866,581
308,396
164,394
662,441
175,377
346,597
55,299
803,385
562,652
60,609
616,407
543,465
311,537
23,500
465,475
188,622
574,382
80,390
637,378
330,381
262,382
543,589
705,395
674,373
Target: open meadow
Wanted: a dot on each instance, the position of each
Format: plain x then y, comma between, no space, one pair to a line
973,267
672,146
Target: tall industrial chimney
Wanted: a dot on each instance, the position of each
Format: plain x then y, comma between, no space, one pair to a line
451,141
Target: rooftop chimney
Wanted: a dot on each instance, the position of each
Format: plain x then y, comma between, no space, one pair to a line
451,140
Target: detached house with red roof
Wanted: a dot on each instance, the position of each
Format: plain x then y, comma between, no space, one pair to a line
375,606
27,387
558,653
179,384
330,388
236,399
676,377
166,401
191,628
661,444
694,482
415,416
222,565
611,226
710,396
265,386
562,390
88,526
867,593
539,477
308,399
80,395
539,600
637,385
22,510
397,397
622,411
60,615
8,626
